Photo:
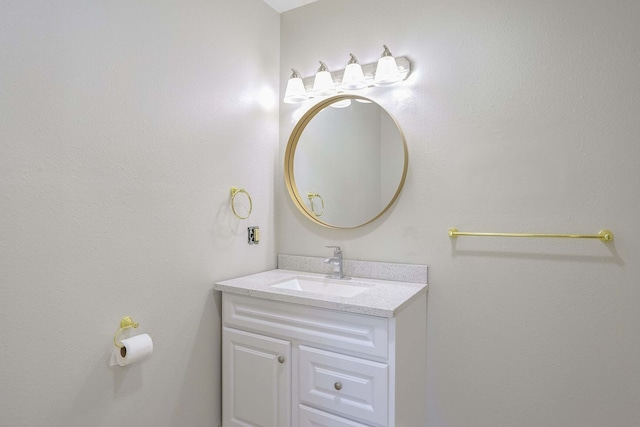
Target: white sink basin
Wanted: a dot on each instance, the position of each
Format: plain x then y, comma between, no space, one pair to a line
323,286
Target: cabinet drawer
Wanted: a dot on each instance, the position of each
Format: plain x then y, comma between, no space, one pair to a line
310,417
344,385
351,332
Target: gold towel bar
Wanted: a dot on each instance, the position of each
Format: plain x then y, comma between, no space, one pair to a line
604,235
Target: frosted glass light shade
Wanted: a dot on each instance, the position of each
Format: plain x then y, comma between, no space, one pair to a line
295,91
341,104
323,82
387,72
353,77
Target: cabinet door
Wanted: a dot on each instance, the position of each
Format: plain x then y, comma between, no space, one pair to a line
256,380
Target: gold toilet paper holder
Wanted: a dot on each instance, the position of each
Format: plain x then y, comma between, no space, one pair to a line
125,323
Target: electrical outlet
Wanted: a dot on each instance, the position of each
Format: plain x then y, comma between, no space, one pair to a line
253,235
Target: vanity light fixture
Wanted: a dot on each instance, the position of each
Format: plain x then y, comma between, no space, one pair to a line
295,89
323,83
386,71
353,77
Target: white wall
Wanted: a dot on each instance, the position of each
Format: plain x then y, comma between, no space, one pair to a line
123,126
520,116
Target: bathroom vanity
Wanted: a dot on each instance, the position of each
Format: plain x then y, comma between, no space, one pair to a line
301,350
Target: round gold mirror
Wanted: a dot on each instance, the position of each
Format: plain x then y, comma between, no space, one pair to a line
345,162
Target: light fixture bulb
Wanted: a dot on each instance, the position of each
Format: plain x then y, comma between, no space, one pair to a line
387,72
353,77
295,91
323,82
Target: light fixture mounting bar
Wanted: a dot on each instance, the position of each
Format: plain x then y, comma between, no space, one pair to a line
369,71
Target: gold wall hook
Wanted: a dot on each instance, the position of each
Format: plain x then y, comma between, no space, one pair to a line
125,323
234,192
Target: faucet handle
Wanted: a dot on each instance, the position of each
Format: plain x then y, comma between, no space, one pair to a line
336,249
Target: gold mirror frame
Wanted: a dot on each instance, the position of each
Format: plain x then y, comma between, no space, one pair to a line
289,177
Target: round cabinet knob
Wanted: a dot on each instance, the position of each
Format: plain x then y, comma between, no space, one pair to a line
338,386
281,359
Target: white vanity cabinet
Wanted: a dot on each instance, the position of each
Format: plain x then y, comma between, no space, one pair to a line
292,365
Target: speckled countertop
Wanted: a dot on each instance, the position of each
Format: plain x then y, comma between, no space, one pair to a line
385,299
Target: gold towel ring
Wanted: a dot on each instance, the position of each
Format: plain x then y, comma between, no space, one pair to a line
234,192
312,196
125,323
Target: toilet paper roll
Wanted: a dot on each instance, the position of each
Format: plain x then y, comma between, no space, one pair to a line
134,349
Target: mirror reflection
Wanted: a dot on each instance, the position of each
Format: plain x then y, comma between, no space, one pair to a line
345,162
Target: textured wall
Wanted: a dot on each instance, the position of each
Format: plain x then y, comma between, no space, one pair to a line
122,127
519,116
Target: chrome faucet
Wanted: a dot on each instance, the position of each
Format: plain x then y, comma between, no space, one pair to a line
336,261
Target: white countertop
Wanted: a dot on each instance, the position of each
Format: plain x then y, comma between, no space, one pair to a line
385,299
